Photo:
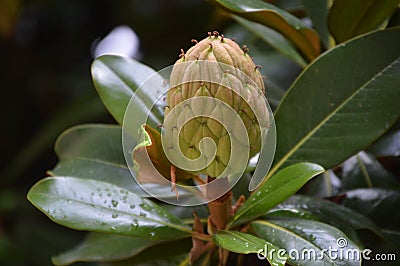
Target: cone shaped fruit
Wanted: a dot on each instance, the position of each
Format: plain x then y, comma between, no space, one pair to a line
213,79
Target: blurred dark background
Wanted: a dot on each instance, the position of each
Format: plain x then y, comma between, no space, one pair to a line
46,48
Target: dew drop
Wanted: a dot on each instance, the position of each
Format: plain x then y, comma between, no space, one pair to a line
132,206
114,215
145,207
142,214
114,203
134,225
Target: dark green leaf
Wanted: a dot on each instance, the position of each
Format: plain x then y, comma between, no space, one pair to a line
96,141
363,170
274,191
332,111
273,38
380,205
103,247
348,19
165,254
94,151
325,211
116,79
102,171
304,38
85,204
311,240
324,185
388,144
245,244
318,11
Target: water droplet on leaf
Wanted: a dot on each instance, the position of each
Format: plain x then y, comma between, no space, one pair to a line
114,203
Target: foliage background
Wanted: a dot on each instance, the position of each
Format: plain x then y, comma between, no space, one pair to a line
45,53
46,49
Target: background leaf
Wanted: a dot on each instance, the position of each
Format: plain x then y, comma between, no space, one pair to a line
363,170
274,191
301,235
245,244
103,247
324,185
169,253
304,38
331,112
325,211
350,19
92,205
318,11
380,205
116,78
273,38
388,144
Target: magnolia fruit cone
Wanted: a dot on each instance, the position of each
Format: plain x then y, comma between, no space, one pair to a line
216,68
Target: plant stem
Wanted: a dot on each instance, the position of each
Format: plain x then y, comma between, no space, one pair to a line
364,171
221,209
201,236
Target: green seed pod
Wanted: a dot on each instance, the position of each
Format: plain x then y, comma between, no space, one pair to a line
219,77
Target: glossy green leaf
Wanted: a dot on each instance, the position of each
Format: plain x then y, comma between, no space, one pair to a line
116,78
99,142
274,191
98,247
92,205
380,205
348,19
94,151
308,242
318,11
170,253
245,244
119,176
91,169
363,170
304,38
273,38
341,103
324,211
